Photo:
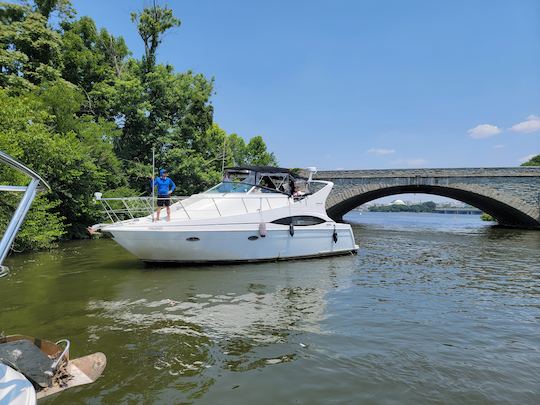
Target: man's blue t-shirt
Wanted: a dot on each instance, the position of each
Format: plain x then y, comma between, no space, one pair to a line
164,186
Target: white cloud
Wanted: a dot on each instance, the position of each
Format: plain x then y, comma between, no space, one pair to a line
483,131
381,151
414,162
498,146
532,124
526,158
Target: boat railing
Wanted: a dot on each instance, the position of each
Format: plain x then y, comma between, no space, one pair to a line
117,209
29,193
121,208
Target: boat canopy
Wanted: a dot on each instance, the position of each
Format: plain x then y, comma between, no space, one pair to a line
259,169
266,179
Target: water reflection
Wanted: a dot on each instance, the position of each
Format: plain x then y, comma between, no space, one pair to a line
194,323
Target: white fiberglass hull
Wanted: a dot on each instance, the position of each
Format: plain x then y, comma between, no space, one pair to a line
235,243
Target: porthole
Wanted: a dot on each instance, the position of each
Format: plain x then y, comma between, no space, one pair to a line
192,239
253,237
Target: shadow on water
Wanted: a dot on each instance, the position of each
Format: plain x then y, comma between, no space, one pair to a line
427,312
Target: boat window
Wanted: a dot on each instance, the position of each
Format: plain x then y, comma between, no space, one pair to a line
299,221
231,187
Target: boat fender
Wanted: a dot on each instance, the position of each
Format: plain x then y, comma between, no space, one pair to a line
334,235
262,229
291,229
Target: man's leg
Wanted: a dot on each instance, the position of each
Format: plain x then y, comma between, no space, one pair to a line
168,213
158,211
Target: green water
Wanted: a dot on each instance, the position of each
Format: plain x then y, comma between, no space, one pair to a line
434,309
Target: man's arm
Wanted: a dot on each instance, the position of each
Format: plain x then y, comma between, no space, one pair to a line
173,186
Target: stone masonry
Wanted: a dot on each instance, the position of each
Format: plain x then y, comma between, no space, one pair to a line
510,195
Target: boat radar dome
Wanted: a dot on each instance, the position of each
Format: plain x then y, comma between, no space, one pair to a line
311,170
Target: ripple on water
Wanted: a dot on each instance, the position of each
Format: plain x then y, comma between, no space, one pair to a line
447,313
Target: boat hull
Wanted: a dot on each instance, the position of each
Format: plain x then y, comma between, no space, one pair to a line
236,245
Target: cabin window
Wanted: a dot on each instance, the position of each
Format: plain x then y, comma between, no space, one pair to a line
299,221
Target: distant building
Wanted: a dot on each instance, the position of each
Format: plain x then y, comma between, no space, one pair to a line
398,202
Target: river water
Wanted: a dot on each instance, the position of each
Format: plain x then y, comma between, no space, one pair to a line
434,308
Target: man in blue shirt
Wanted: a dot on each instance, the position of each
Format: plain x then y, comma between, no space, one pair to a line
165,187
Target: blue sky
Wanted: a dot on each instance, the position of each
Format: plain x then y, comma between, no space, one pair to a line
362,84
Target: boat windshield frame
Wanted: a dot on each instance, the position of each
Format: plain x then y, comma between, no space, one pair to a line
265,179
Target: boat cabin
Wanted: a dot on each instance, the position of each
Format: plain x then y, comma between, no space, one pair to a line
260,179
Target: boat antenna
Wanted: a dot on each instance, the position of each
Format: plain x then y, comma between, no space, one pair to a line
223,155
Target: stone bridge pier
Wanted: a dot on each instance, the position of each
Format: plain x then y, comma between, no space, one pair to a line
510,195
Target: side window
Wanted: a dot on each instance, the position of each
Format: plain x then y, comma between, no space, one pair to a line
306,221
283,221
299,221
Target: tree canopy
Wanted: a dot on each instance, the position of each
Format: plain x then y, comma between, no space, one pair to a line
534,161
78,108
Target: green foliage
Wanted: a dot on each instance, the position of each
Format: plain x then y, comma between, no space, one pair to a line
42,226
428,206
535,161
30,52
91,56
47,7
152,23
76,161
256,153
486,217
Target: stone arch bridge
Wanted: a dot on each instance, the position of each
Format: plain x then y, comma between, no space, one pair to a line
510,195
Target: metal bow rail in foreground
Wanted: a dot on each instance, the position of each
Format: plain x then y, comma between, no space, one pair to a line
36,184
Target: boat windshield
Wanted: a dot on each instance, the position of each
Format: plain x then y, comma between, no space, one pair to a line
257,179
231,187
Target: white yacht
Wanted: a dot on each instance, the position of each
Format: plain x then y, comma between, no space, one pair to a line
254,214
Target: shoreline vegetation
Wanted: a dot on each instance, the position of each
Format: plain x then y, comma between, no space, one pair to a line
427,206
78,108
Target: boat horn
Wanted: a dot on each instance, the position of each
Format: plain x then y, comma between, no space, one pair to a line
291,229
334,235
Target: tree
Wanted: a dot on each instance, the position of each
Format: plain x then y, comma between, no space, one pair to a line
236,150
30,51
76,157
152,23
257,154
91,56
534,161
47,7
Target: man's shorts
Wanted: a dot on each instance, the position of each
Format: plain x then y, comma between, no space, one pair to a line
163,201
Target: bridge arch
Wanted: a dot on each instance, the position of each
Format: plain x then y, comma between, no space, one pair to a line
506,209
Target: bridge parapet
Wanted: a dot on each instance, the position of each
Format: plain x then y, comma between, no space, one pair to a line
521,171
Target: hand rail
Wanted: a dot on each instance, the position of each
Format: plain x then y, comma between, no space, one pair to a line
118,209
11,161
36,183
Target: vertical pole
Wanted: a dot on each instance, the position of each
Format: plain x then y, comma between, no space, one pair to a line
223,156
17,220
152,182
